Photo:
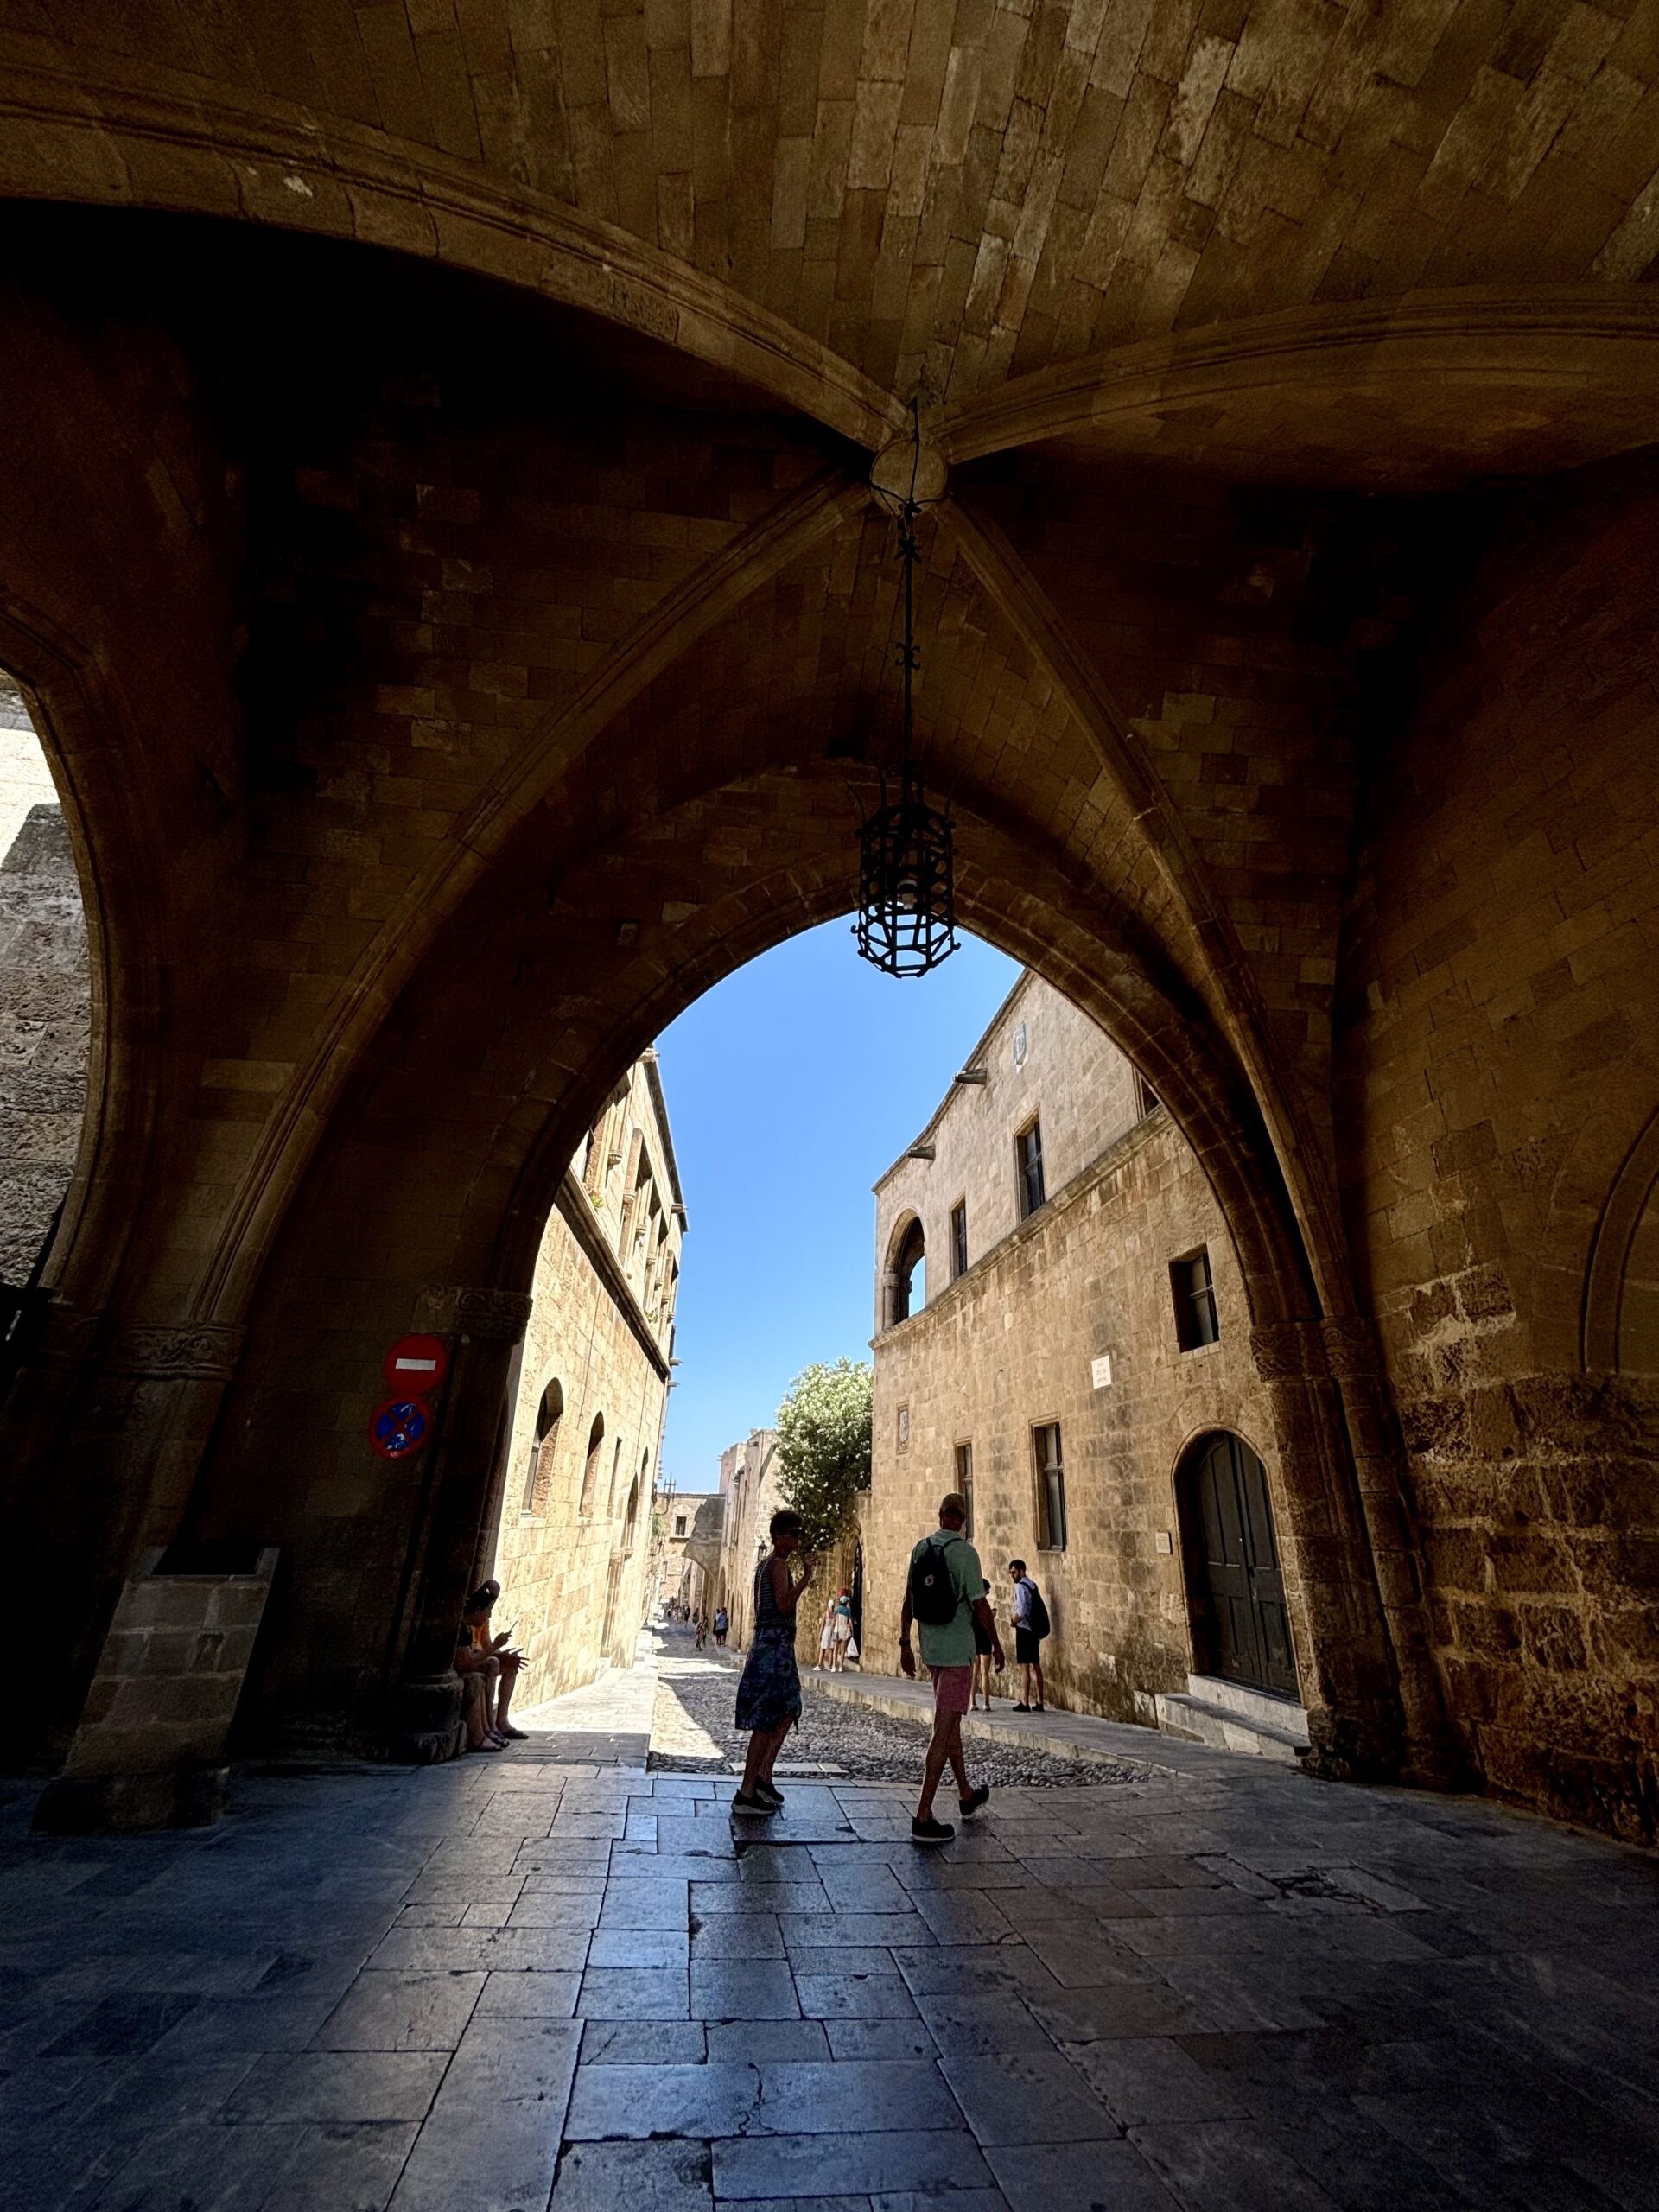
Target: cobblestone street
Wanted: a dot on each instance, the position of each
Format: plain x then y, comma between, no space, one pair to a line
548,1974
692,1733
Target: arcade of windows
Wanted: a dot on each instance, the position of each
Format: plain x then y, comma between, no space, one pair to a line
540,1464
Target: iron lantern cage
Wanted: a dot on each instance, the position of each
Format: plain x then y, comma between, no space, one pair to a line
906,886
906,920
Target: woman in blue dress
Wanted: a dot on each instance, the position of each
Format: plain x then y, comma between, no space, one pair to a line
769,1692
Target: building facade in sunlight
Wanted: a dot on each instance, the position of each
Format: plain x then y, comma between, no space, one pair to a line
574,1548
45,1000
684,1555
1061,1335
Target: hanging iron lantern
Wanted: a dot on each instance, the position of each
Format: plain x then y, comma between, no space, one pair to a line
906,921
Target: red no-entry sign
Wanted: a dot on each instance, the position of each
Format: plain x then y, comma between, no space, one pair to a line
415,1365
400,1426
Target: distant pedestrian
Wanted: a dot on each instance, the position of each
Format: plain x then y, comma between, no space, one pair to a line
983,1654
945,1596
769,1690
841,1632
702,1628
1030,1625
826,1635
722,1625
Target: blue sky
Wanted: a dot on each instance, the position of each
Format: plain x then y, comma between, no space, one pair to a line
791,1087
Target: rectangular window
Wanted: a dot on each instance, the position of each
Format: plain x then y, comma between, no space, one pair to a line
965,1481
1051,1488
959,1239
1028,1156
679,1524
1194,1292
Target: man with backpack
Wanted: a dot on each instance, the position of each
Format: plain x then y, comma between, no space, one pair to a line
1030,1625
945,1594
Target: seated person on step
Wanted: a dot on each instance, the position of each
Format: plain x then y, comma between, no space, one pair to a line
487,1659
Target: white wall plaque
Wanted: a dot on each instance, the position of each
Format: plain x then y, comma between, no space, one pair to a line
1101,1369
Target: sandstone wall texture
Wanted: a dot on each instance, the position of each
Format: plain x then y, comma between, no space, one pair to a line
574,1543
1498,1074
1013,1344
1041,1061
45,1000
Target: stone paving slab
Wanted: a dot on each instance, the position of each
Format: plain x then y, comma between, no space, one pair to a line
534,1981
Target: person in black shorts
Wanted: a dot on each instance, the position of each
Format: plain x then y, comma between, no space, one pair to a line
982,1657
1030,1622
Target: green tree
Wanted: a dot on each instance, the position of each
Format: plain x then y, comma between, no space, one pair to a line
824,1447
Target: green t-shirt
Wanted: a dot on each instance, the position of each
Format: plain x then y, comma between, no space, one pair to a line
952,1644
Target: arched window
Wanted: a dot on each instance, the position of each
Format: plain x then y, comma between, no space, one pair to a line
630,1522
909,1293
590,1467
539,1466
616,1468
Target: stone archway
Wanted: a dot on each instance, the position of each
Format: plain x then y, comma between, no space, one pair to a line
528,666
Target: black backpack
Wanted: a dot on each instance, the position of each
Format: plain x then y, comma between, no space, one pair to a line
1036,1618
933,1599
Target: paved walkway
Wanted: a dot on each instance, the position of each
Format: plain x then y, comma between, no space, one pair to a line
467,1989
1060,1735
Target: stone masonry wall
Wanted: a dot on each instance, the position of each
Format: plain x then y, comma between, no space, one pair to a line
1069,1075
573,1552
1010,1345
1498,1083
45,999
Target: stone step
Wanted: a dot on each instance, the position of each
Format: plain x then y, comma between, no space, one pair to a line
1194,1720
1283,1714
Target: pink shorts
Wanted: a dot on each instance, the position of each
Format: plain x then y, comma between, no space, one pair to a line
952,1689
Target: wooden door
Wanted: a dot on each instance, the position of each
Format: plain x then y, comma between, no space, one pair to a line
1242,1585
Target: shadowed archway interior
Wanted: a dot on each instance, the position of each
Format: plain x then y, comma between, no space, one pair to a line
449,589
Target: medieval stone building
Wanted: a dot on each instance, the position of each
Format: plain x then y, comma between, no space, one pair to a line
688,1548
1062,1335
573,1543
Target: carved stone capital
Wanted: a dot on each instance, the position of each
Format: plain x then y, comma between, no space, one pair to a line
1350,1347
497,1316
1285,1351
202,1351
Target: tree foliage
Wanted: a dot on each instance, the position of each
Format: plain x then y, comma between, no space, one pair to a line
824,1447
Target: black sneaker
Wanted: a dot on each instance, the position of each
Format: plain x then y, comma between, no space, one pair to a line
770,1794
1018,1708
974,1799
755,1804
931,1831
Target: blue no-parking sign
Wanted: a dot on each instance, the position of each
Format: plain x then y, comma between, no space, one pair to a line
399,1427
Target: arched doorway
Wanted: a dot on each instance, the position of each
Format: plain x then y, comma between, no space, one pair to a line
1236,1588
